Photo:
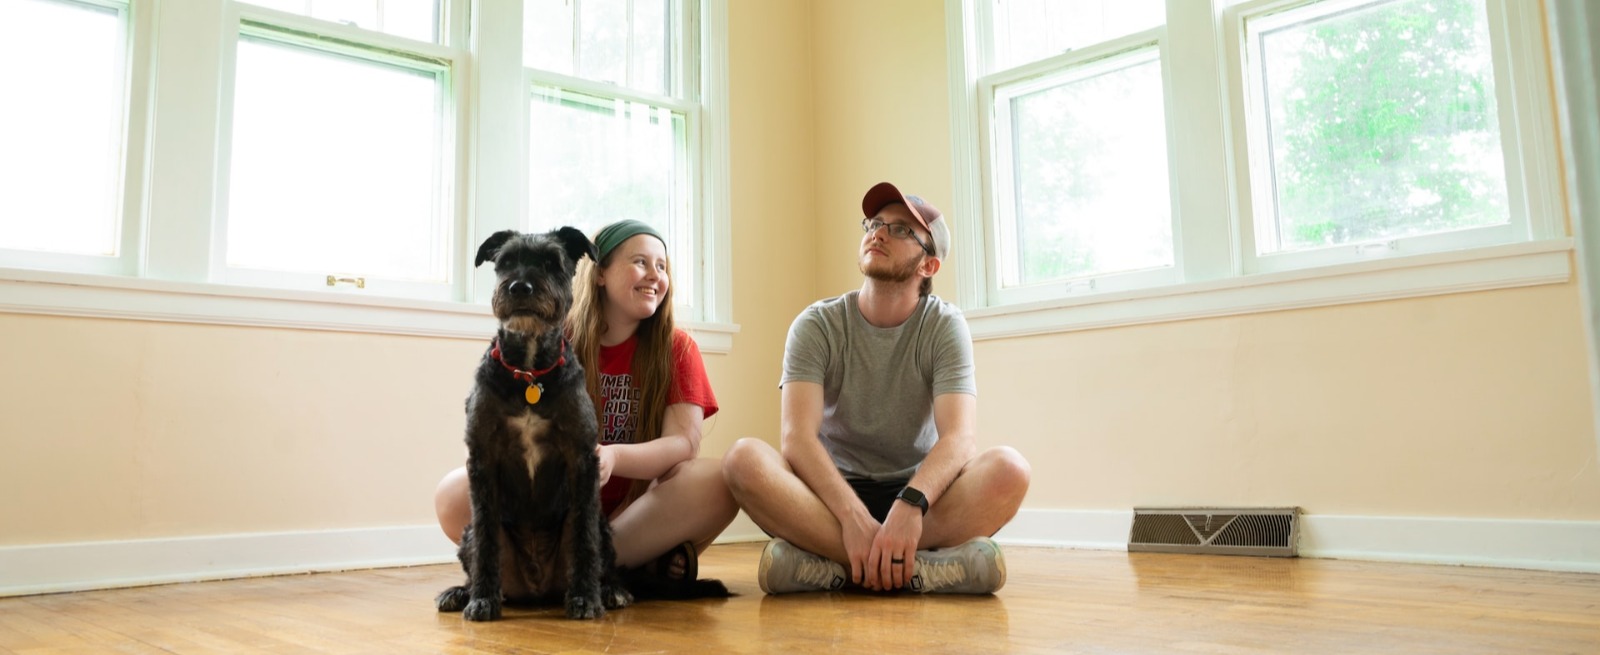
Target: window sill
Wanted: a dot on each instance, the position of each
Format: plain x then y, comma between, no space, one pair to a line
25,291
1479,269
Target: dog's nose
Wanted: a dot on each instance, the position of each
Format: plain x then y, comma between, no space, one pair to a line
520,288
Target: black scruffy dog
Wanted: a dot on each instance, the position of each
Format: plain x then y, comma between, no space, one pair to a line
536,531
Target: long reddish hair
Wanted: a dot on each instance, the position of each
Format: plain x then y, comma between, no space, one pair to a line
652,359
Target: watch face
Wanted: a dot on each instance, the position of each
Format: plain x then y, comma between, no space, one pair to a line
912,496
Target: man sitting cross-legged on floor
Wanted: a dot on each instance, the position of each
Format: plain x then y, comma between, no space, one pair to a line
879,482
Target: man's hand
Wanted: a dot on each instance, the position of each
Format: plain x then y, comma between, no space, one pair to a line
860,532
608,459
897,540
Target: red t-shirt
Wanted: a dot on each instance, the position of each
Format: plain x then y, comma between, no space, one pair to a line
619,418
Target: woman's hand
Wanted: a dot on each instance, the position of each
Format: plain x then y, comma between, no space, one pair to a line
608,460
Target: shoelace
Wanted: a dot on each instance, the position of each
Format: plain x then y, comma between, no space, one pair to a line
940,574
818,571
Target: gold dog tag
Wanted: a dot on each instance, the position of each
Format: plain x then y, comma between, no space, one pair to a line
534,392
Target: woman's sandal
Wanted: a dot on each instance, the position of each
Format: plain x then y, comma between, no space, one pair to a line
663,566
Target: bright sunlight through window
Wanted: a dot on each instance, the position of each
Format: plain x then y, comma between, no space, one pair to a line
60,154
336,165
412,19
1382,122
1089,183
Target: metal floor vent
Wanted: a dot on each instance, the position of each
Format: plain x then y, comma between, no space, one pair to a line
1271,532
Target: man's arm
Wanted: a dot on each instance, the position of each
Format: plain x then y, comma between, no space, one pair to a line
802,449
955,415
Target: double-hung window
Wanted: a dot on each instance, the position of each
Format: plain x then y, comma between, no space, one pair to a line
1080,148
63,135
340,161
614,120
1223,154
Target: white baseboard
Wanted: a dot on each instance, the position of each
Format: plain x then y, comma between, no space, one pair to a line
55,568
1506,543
51,568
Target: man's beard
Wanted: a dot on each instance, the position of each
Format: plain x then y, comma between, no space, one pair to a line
891,272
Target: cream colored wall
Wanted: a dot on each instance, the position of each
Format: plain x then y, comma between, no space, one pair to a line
882,114
126,429
774,237
1472,405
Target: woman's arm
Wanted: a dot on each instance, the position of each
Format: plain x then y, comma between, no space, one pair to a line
679,442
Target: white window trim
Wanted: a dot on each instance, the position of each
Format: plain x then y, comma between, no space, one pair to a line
174,187
1216,284
52,293
1495,267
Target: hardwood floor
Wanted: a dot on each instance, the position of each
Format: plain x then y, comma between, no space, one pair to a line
1055,601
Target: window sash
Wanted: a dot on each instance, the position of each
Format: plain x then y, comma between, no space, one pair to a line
1246,22
679,50
997,91
293,31
124,141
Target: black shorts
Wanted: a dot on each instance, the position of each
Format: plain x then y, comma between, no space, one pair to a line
877,495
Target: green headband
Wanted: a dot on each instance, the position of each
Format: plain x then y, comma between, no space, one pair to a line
614,234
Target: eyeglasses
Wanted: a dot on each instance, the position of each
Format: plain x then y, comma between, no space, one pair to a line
896,230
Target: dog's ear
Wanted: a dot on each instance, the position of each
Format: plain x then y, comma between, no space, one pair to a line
492,245
576,244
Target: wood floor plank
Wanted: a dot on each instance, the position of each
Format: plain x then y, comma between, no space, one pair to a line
1055,601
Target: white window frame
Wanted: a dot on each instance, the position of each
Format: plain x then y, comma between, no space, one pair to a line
1072,66
1212,197
1519,144
177,126
134,81
295,30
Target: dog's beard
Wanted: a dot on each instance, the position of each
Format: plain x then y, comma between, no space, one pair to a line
528,315
524,324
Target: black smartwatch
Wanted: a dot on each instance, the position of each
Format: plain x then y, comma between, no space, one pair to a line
911,495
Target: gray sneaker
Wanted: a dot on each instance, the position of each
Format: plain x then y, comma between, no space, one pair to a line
786,569
975,567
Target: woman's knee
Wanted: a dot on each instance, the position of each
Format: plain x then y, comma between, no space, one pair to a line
452,501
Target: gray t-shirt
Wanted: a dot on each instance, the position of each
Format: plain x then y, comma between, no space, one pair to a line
878,384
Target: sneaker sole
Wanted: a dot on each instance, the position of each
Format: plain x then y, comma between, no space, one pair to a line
999,563
766,563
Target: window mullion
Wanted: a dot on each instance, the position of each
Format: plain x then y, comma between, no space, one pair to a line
1192,60
135,175
500,98
968,120
183,172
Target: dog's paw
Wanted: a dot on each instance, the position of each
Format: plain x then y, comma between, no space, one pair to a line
615,597
585,607
452,599
482,609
